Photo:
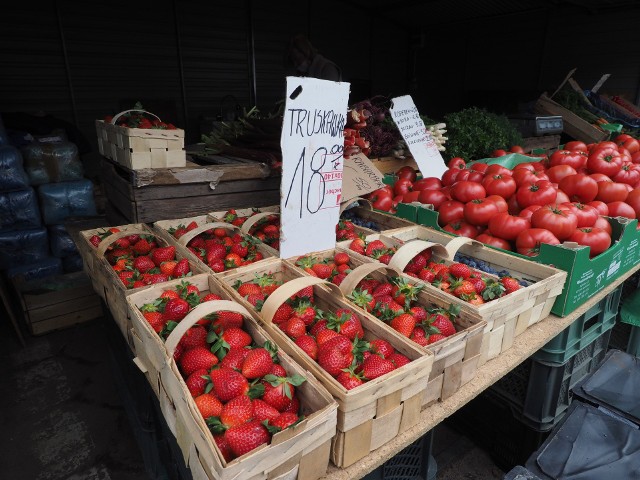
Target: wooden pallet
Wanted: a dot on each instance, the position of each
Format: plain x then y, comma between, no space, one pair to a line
149,195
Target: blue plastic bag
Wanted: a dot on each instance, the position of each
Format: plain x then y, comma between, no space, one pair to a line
68,199
38,269
12,174
72,263
60,241
52,162
23,246
19,210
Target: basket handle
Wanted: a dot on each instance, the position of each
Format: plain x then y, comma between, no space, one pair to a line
117,116
455,243
351,281
191,234
286,290
196,314
107,241
252,220
405,253
363,202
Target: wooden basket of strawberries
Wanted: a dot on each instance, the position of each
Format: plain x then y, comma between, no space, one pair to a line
261,223
357,218
238,406
377,376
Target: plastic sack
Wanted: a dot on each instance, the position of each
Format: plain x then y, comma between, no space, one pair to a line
38,269
12,174
52,162
23,246
59,201
72,263
19,210
60,241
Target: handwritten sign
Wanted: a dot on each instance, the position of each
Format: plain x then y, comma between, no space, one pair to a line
312,142
360,177
420,142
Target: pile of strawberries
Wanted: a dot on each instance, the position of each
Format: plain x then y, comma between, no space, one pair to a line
375,249
239,387
334,270
335,340
218,249
267,230
139,261
345,230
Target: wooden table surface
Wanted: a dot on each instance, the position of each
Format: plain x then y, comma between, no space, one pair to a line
525,345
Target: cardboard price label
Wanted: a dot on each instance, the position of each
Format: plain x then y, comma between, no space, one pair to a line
312,143
360,177
419,140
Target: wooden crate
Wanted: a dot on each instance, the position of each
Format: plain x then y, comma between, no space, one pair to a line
574,126
149,195
508,316
301,452
58,302
372,414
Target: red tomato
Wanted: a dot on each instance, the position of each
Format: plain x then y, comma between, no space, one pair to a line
634,200
503,185
621,209
533,166
571,158
586,214
628,142
576,145
410,197
407,172
579,187
461,228
635,157
450,211
457,162
433,197
498,153
603,224
539,193
628,174
479,167
496,169
601,207
512,205
528,212
600,177
611,192
605,160
475,176
466,191
500,202
528,241
562,197
381,199
557,219
526,176
516,149
489,239
508,226
625,154
402,186
596,239
558,172
479,211
449,177
606,144
427,183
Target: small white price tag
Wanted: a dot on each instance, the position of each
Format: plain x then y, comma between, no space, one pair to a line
420,142
312,142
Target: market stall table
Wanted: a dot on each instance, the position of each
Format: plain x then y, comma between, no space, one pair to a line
525,345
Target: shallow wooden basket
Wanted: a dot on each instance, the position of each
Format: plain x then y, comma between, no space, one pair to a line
368,416
244,212
245,228
456,358
508,316
301,452
364,210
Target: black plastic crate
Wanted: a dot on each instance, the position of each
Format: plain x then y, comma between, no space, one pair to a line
415,462
539,393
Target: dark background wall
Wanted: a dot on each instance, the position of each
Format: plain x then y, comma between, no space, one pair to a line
191,61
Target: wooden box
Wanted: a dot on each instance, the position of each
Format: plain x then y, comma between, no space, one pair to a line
58,302
574,126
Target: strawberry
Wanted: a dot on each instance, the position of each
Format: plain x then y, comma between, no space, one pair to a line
362,299
176,309
324,335
338,279
358,246
427,275
284,420
226,320
349,379
404,324
196,382
344,268
398,359
215,252
305,312
381,347
322,270
386,259
156,320
416,264
279,391
344,321
444,325
373,246
383,289
263,411
335,354
126,276
341,258
236,337
375,366
256,299
294,327
232,260
419,336
318,327
228,384
240,249
158,278
143,264
208,405
283,313
257,363
510,284
196,359
306,292
459,270
142,247
235,358
308,344
244,438
278,370
249,288
223,446
209,297
464,287
95,240
182,268
436,337
237,411
419,313
196,336
166,267
163,254
478,284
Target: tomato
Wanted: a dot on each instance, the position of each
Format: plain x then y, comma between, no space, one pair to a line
498,153
628,174
427,183
475,176
539,193
528,241
628,142
489,239
557,219
502,185
528,212
611,192
562,197
479,167
533,166
571,158
407,172
466,191
558,172
635,157
600,177
526,176
382,203
433,197
500,202
449,177
410,197
579,187
457,162
605,160
604,224
479,211
516,149
597,239
634,200
601,207
605,144
508,226
461,228
586,214
576,145
463,175
402,186
512,205
496,169
621,209
450,211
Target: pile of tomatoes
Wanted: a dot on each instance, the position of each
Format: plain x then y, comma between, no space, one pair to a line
565,197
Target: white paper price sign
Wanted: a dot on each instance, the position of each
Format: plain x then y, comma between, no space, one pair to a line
312,143
420,142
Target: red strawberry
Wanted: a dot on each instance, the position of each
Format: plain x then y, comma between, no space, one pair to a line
444,325
278,370
416,264
196,359
256,299
404,324
156,320
419,313
478,284
427,275
209,297
228,384
381,347
208,405
257,363
95,240
308,344
349,379
436,337
398,359
235,358
237,411
196,383
322,270
463,288
244,438
263,411
176,309
341,258
167,267
294,327
226,321
143,264
163,254
373,246
335,354
142,247
223,446
283,313
215,252
375,366
284,420
510,284
279,391
240,249
338,279
305,312
419,336
363,299
249,288
182,268
236,337
383,289
126,277
347,323
318,327
196,336
357,246
459,270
